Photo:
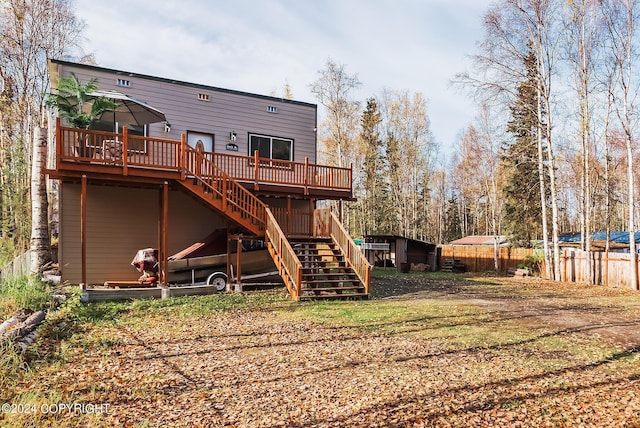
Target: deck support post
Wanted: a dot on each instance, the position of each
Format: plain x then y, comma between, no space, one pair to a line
312,217
163,256
287,220
229,272
239,265
83,227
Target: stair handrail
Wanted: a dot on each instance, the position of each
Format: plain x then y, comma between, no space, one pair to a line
288,260
353,256
232,193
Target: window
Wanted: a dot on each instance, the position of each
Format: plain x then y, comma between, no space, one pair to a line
123,82
272,109
271,147
203,97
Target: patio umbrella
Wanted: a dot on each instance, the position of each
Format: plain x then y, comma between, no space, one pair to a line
129,111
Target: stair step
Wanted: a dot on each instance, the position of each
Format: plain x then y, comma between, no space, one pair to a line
312,239
321,289
319,263
342,277
330,281
335,296
330,275
313,245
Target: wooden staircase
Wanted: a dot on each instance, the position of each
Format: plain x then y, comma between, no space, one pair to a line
227,196
311,268
325,271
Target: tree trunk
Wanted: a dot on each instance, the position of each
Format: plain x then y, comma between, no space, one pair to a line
543,193
632,234
40,240
554,201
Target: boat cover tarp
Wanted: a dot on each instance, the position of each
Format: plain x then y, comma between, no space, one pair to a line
214,243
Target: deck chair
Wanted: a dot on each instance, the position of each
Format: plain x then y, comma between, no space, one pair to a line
112,151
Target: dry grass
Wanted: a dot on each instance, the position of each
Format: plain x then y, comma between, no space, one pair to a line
428,351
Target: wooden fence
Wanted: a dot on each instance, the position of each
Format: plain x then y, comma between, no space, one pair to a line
20,266
613,270
481,258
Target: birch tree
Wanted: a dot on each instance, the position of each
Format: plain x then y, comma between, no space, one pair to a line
334,91
512,29
622,22
409,153
583,34
31,31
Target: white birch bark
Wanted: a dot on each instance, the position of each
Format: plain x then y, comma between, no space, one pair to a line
40,241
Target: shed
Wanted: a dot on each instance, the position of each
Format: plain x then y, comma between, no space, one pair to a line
400,252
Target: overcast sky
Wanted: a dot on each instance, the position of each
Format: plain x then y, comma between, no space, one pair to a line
258,45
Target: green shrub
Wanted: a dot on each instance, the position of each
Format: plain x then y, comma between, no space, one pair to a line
533,263
22,292
7,251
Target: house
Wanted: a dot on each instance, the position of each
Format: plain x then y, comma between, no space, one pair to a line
221,159
399,251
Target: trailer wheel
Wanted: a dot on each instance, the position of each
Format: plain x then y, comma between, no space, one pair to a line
218,280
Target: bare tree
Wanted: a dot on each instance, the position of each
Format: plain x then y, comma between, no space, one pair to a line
513,28
622,22
334,91
409,153
583,34
31,32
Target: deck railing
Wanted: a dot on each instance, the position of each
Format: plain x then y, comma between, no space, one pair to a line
275,171
125,149
232,195
283,255
327,224
294,222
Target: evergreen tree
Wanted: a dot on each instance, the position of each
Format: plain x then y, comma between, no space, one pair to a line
522,202
452,229
376,189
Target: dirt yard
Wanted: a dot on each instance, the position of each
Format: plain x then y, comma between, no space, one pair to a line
571,307
424,351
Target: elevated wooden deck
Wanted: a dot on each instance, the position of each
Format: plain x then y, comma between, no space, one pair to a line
122,156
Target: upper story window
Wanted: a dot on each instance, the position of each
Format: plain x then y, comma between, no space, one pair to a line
203,97
271,147
123,82
272,109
